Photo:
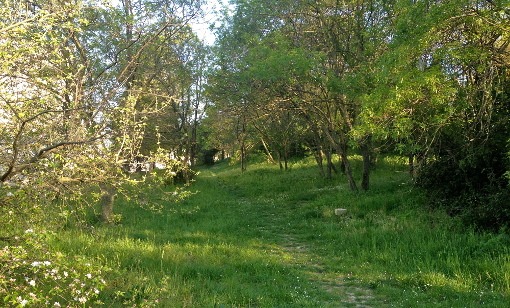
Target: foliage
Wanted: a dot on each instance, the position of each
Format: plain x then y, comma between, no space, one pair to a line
83,88
472,185
77,110
370,76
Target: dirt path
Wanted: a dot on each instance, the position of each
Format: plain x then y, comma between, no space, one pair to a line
347,294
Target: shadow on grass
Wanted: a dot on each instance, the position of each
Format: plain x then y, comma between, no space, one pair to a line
269,238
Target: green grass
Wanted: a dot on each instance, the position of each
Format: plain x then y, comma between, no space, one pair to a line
269,238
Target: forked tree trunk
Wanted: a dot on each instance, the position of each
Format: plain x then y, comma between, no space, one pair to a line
286,157
341,147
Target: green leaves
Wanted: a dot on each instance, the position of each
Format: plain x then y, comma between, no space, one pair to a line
79,96
276,62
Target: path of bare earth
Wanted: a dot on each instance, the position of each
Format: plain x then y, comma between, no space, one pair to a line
346,293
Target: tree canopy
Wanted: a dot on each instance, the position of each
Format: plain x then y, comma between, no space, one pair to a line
423,79
92,91
87,89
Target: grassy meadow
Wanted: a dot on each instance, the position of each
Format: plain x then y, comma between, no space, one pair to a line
269,238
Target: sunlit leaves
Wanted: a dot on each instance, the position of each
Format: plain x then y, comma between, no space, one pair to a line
68,120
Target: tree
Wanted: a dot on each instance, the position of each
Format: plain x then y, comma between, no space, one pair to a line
309,55
70,112
441,97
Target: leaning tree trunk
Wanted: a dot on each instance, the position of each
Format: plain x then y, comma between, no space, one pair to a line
268,152
317,153
348,169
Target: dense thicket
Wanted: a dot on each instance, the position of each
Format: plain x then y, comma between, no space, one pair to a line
426,79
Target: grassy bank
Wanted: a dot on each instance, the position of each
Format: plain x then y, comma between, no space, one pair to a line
269,238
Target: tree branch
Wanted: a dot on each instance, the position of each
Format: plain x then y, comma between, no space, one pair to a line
13,169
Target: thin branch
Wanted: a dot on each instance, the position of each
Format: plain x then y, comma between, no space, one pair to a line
26,21
42,154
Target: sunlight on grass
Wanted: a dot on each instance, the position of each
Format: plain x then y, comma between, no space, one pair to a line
269,238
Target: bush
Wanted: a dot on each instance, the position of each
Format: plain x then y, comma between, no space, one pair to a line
473,187
489,210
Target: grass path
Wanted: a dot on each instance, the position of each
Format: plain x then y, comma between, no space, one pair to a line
271,221
268,238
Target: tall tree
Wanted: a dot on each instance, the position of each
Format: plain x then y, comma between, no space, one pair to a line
69,110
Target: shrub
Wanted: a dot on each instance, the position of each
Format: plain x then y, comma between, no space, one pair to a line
472,186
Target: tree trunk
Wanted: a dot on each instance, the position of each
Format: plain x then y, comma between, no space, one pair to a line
269,156
411,165
316,146
286,155
241,137
348,171
243,155
366,145
328,164
341,147
317,153
107,201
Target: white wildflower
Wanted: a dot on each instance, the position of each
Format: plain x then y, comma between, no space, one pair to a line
56,304
82,299
22,301
32,283
29,231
